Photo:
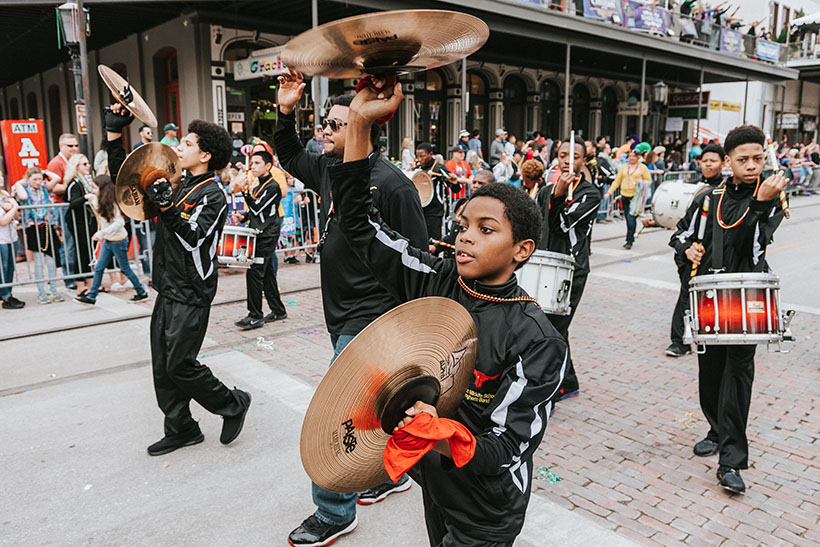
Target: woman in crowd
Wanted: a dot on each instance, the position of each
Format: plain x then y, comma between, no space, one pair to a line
80,218
114,242
408,155
8,247
505,169
41,237
475,162
630,175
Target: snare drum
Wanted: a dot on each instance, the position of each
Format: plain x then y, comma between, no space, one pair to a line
547,277
672,199
736,308
237,247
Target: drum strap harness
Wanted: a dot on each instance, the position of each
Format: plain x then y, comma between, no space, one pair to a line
720,226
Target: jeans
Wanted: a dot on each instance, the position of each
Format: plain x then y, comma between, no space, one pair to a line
119,250
631,221
142,239
38,273
8,257
68,255
603,208
332,507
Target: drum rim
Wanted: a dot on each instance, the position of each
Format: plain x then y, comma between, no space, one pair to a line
734,338
240,230
746,280
557,257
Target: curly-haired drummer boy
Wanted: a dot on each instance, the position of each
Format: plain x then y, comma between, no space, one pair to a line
741,220
521,357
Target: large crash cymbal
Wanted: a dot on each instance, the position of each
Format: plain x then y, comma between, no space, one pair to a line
126,95
422,350
424,185
390,42
141,168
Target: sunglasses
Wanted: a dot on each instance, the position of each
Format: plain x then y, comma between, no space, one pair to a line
73,145
334,125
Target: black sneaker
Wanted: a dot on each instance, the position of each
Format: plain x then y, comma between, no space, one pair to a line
232,426
12,303
272,316
249,323
627,246
315,533
169,444
83,299
729,479
378,493
291,260
706,447
308,258
138,298
678,350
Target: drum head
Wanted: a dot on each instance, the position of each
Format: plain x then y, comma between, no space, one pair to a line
672,199
424,184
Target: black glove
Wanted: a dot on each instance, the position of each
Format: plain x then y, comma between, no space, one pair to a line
160,193
117,122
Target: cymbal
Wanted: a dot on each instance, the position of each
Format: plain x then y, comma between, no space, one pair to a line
389,42
127,95
422,350
424,184
141,167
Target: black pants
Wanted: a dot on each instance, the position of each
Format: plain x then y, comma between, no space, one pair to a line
262,278
725,376
177,332
434,226
682,305
562,323
442,534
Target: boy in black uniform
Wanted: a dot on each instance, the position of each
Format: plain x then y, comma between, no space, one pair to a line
521,357
185,276
351,296
263,215
442,181
743,215
711,164
567,225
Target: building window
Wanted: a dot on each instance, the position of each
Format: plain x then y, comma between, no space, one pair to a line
430,117
14,109
609,113
31,106
515,106
550,109
580,110
55,117
479,102
166,77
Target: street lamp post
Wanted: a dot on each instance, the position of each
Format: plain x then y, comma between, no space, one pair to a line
659,93
72,28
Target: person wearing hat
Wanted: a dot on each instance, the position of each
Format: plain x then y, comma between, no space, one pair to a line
464,140
460,168
632,173
497,146
170,138
316,145
696,150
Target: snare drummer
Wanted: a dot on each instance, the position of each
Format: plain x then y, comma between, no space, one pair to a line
443,182
262,200
742,218
711,165
569,207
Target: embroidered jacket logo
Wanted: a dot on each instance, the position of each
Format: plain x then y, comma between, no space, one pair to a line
187,206
480,377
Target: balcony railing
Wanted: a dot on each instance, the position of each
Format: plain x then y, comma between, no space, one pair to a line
640,16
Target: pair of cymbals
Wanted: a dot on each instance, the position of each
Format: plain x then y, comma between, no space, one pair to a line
127,96
422,350
140,169
385,43
424,185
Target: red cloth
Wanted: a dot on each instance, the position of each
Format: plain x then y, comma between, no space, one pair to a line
411,442
389,83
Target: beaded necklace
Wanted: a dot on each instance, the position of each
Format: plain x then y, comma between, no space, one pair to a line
739,221
489,298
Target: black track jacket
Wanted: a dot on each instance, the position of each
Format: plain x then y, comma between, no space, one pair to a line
351,296
263,213
744,247
185,263
520,364
567,224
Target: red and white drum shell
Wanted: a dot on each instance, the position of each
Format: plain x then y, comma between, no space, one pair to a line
237,247
736,308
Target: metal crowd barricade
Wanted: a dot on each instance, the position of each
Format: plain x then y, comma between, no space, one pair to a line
306,229
683,176
41,266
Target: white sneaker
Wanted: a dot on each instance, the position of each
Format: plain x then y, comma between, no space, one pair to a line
128,285
116,287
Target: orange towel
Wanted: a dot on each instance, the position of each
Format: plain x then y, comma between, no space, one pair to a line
411,442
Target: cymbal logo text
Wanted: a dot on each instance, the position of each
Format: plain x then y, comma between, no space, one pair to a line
349,440
448,368
375,40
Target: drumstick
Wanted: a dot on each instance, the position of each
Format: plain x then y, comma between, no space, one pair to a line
701,230
571,162
773,158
